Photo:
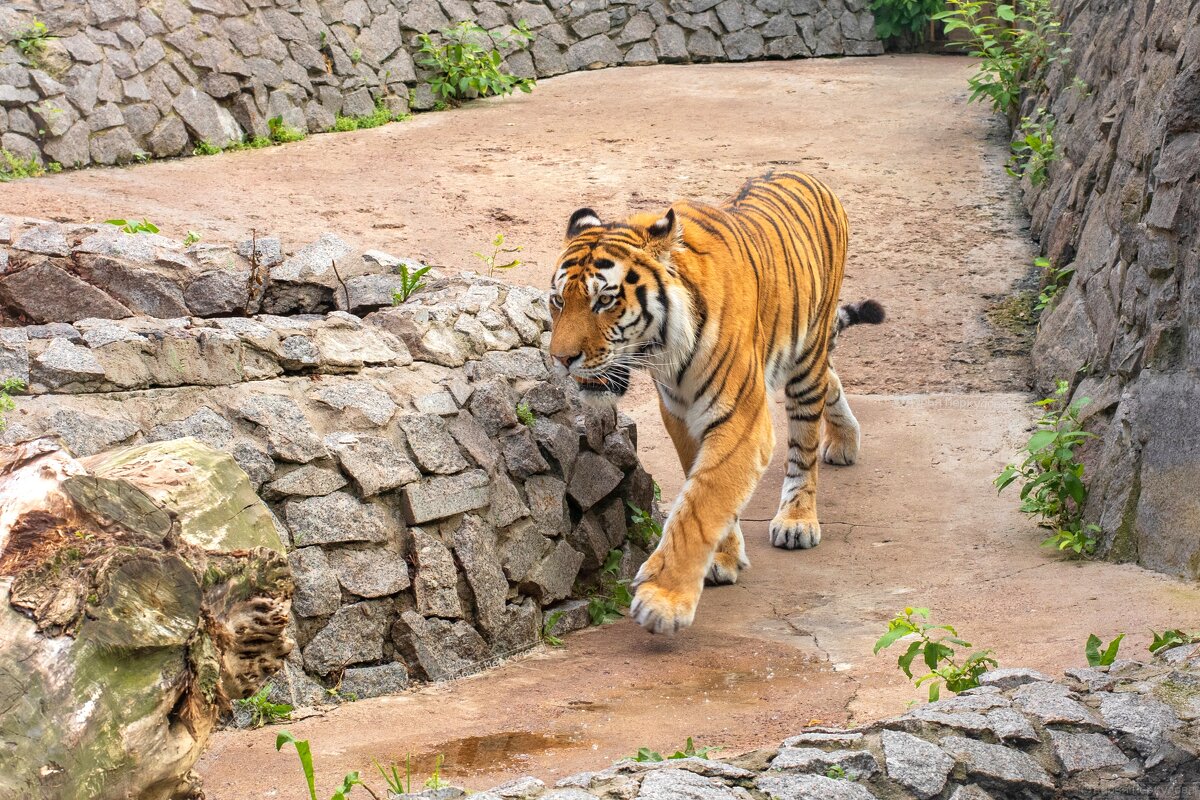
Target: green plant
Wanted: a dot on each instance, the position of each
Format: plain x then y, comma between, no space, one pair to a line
1171,638
125,226
645,754
1015,46
32,41
609,601
836,772
937,653
281,132
464,67
410,282
205,148
263,711
191,238
498,250
1101,658
380,116
13,167
392,776
1055,281
525,415
434,781
53,167
904,17
8,387
1051,474
355,56
644,530
548,625
337,695
304,751
1033,148
1081,86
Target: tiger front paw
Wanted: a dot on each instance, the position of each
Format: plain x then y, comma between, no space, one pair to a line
659,609
795,534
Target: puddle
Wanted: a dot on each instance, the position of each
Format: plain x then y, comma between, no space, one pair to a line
476,754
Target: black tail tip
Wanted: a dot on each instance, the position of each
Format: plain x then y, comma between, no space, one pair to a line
870,312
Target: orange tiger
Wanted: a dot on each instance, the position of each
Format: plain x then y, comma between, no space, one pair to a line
722,305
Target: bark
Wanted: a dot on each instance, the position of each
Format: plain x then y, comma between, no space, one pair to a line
140,591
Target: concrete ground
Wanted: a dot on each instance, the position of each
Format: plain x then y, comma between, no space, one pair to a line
938,237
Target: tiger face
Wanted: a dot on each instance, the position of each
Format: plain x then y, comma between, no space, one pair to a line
610,300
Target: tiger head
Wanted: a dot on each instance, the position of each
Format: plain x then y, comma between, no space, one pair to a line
613,298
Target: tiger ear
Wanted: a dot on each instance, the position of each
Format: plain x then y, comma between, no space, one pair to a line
664,233
581,220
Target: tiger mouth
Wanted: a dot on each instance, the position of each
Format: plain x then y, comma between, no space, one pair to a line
615,380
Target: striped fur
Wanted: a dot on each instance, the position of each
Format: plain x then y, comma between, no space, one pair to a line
721,305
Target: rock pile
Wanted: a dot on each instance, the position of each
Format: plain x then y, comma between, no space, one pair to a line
124,80
1122,208
430,527
1129,731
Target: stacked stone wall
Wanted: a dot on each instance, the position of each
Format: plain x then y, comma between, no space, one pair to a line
126,80
431,529
1123,732
1122,206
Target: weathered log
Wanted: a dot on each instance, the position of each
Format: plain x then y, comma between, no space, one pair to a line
141,590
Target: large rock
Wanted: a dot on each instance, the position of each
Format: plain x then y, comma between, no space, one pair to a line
174,562
353,635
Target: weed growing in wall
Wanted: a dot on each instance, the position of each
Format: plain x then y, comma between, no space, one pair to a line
1097,654
8,387
410,282
13,167
1054,280
466,61
500,256
1033,148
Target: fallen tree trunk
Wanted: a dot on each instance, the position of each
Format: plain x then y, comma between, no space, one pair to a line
140,591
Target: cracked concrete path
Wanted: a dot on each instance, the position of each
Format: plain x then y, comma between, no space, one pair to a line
916,521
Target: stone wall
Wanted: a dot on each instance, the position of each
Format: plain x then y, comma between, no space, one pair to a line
128,79
1122,206
1113,733
430,528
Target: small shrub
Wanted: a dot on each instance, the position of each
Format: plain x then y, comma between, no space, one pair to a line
125,226
281,132
410,282
901,18
1051,474
937,653
1055,281
191,238
1101,658
644,530
1015,46
8,387
392,778
547,626
355,56
609,602
464,67
498,258
1168,639
263,711
1033,148
14,168
836,772
304,751
205,148
646,755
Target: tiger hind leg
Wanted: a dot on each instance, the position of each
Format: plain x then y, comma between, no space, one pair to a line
730,558
840,436
795,525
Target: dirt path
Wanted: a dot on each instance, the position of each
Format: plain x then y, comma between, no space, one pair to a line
938,238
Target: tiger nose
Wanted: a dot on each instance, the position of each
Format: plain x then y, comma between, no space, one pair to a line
566,360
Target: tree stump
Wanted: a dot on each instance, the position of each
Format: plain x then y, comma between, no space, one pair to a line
141,590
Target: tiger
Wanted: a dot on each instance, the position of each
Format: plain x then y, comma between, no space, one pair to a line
721,305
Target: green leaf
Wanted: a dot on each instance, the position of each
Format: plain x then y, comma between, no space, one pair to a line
905,661
1110,653
889,638
305,753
